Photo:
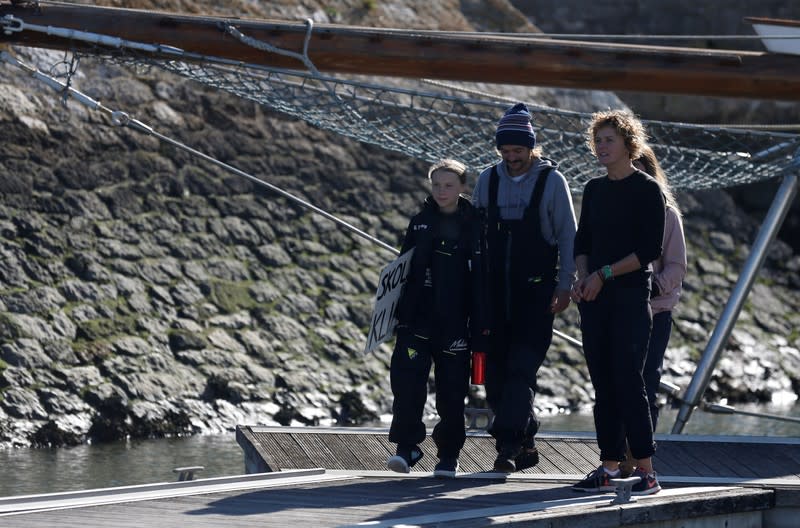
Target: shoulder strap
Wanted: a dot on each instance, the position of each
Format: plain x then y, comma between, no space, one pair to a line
494,209
538,190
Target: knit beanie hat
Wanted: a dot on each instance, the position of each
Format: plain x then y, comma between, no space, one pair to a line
514,128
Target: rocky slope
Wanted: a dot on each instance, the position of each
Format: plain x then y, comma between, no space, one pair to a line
145,292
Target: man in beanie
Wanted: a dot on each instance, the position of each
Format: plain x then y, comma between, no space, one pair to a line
530,230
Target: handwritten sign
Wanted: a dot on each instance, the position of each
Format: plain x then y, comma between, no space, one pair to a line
390,286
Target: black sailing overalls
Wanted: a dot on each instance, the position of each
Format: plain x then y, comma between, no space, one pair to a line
522,269
435,312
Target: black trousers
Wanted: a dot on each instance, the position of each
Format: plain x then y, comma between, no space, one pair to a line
659,339
409,372
519,346
616,331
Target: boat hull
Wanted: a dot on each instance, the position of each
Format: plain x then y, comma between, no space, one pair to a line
769,29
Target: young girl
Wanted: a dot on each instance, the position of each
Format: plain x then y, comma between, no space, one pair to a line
620,231
433,318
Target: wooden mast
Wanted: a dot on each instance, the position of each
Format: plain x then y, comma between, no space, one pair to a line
431,54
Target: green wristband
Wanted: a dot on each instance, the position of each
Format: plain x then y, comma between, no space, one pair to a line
607,273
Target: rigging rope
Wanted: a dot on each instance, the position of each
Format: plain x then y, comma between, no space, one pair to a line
266,46
611,36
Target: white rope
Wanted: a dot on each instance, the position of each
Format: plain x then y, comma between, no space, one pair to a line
266,46
584,36
595,36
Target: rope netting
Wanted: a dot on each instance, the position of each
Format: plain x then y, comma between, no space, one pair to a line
433,121
430,125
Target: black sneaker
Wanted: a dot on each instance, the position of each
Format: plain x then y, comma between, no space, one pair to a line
405,459
504,463
647,485
527,458
446,467
596,480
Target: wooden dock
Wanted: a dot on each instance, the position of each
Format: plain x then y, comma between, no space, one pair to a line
336,477
564,456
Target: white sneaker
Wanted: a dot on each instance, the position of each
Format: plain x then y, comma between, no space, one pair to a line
398,464
404,460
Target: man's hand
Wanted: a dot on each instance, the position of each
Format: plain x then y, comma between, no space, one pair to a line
560,301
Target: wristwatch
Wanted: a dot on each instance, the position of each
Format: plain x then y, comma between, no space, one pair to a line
606,272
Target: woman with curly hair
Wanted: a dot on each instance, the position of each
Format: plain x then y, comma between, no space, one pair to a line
620,232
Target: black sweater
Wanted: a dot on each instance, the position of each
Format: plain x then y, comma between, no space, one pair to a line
620,217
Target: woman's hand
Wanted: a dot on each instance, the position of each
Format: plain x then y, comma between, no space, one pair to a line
592,285
587,289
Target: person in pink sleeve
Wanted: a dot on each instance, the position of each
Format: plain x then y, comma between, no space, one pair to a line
668,273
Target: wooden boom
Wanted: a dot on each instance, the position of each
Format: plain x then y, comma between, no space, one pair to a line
430,54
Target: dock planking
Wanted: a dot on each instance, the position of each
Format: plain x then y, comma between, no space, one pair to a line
568,454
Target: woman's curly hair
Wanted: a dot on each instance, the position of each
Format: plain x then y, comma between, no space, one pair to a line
625,123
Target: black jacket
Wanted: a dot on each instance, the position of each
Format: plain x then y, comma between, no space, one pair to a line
443,296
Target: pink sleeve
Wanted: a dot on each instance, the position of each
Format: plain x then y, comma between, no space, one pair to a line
672,270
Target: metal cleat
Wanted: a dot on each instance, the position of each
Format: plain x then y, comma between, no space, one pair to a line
623,491
473,416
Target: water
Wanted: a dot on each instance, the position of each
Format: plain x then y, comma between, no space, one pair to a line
701,422
34,471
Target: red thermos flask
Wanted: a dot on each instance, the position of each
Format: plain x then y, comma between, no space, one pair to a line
478,367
